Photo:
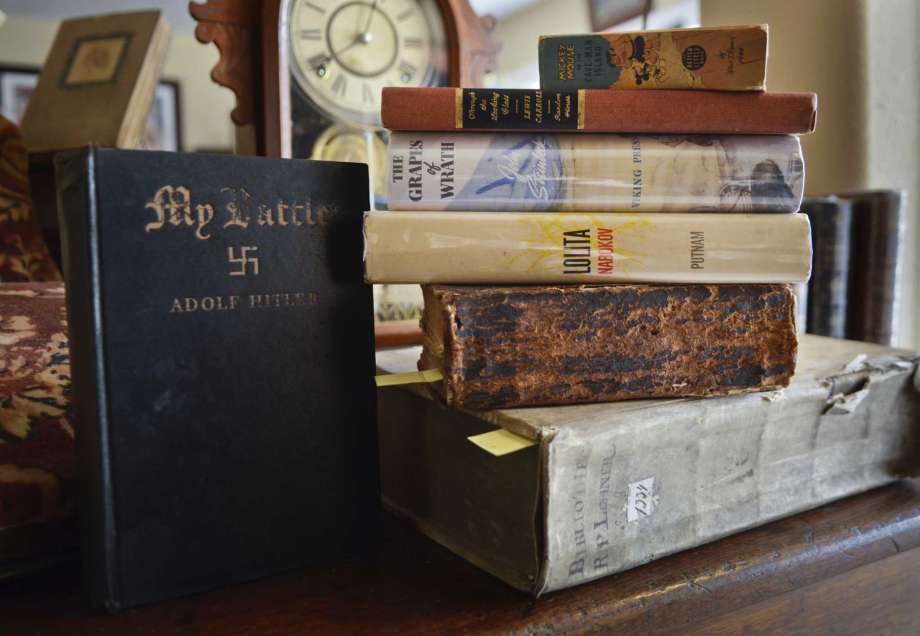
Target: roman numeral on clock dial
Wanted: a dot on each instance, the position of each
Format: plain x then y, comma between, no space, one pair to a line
343,52
340,85
367,95
407,71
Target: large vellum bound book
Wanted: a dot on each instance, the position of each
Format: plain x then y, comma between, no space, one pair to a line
602,488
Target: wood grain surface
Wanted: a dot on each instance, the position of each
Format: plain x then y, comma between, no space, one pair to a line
851,567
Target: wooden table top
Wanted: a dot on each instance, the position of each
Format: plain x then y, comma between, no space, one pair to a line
850,567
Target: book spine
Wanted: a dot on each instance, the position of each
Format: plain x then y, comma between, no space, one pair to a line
75,174
606,342
594,173
827,288
664,111
728,59
877,235
619,496
495,247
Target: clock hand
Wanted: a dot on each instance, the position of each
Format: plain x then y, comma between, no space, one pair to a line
325,59
367,25
355,42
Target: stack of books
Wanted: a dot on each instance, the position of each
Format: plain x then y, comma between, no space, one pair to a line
586,244
581,243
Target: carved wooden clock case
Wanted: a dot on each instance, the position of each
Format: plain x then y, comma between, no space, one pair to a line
307,73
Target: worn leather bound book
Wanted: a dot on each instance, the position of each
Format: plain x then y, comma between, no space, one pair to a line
502,347
730,58
517,172
591,110
98,82
221,342
508,247
606,487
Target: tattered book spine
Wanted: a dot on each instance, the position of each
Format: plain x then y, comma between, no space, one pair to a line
726,58
661,481
504,347
539,248
595,173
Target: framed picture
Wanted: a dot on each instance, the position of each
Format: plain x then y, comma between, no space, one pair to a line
164,124
606,14
16,86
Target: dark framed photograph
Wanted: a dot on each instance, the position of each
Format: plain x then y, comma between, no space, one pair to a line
164,123
16,87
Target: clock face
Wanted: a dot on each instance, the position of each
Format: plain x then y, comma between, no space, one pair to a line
343,52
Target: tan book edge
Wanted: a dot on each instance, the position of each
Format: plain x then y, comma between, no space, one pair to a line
134,126
736,27
612,486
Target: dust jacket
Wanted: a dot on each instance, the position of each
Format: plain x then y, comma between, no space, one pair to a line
222,361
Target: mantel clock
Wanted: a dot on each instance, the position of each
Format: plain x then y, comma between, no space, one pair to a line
308,73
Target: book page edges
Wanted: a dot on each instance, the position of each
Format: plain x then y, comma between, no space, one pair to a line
134,125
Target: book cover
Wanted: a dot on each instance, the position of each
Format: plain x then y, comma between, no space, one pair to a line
601,488
505,347
598,110
221,344
732,58
594,173
541,247
97,83
877,236
827,289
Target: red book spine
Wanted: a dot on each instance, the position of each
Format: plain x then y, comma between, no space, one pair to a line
596,110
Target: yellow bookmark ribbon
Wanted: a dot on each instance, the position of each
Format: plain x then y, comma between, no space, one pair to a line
501,442
413,377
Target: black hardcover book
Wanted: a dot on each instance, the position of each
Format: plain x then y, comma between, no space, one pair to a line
223,363
827,287
875,247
